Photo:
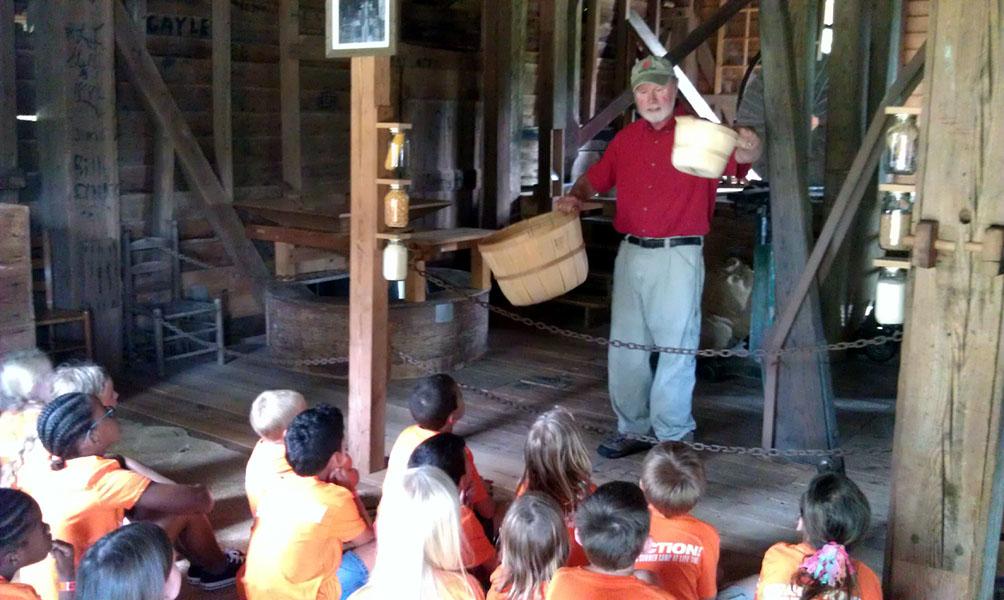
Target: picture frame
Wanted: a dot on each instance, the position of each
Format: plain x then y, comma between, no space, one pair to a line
360,28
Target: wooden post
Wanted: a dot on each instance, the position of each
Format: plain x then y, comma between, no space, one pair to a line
551,90
946,501
8,101
503,24
289,97
222,124
573,80
78,160
368,343
591,60
801,385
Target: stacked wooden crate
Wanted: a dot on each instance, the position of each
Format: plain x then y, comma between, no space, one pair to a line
17,315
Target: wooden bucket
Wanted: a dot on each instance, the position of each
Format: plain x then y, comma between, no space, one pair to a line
702,148
537,259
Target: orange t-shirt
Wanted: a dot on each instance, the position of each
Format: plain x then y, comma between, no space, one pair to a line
451,587
16,591
19,444
296,545
579,583
682,551
503,594
576,555
81,502
475,548
408,440
780,563
266,464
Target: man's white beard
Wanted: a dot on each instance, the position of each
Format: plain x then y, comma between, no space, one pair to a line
656,117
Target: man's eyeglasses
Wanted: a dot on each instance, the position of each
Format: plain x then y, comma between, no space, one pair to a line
108,413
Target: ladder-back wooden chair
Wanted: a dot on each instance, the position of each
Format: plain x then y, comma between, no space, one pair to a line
159,320
48,317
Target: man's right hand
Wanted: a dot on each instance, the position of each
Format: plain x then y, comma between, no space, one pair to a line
568,204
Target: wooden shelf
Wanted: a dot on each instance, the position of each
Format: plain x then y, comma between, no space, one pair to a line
902,110
399,126
886,262
897,187
382,181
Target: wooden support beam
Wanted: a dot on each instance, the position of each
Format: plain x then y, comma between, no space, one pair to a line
573,83
415,284
368,329
215,204
481,273
222,124
946,501
798,387
503,24
696,37
591,59
552,104
289,96
8,100
653,16
78,158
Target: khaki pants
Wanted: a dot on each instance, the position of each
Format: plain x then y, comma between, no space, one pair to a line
657,300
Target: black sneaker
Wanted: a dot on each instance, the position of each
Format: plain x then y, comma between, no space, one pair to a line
620,446
195,573
225,578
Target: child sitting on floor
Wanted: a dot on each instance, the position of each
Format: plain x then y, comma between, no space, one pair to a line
533,544
271,413
418,557
84,495
835,516
25,540
681,549
134,561
445,451
307,518
24,390
557,465
86,378
437,405
611,525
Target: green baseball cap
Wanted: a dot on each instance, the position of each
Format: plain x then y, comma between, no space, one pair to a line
653,69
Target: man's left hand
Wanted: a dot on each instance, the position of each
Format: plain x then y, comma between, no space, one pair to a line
749,147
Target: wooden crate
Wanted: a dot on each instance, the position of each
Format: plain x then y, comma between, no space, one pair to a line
17,314
17,337
15,240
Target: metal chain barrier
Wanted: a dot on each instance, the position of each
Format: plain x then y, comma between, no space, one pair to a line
759,353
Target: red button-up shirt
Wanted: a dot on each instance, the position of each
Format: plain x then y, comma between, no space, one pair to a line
654,199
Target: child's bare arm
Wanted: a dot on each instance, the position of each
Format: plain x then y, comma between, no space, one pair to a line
145,471
175,499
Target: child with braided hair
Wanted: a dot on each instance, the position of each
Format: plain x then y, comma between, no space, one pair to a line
84,495
25,540
835,516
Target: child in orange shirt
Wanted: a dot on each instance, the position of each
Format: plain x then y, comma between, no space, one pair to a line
437,404
835,516
84,495
533,543
681,549
611,525
271,412
24,379
445,451
418,555
25,540
557,465
134,561
307,518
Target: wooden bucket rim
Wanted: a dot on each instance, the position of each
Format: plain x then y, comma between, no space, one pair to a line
522,228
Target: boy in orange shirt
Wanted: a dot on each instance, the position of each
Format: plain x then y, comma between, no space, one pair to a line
445,451
271,413
437,405
681,549
611,525
308,516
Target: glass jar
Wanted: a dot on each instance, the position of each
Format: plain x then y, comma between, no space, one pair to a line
395,207
894,224
397,158
890,297
901,140
395,261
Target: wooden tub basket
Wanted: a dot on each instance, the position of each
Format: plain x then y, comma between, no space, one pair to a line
537,259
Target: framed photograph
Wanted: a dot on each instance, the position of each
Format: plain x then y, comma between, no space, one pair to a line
361,27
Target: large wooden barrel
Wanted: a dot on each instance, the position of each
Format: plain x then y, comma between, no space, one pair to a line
537,259
702,148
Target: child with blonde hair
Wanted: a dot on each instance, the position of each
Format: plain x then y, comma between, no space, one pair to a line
533,545
418,553
271,413
86,378
558,466
24,382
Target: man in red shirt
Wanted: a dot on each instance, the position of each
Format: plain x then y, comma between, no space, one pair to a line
659,272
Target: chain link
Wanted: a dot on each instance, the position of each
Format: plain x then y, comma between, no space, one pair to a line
759,353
